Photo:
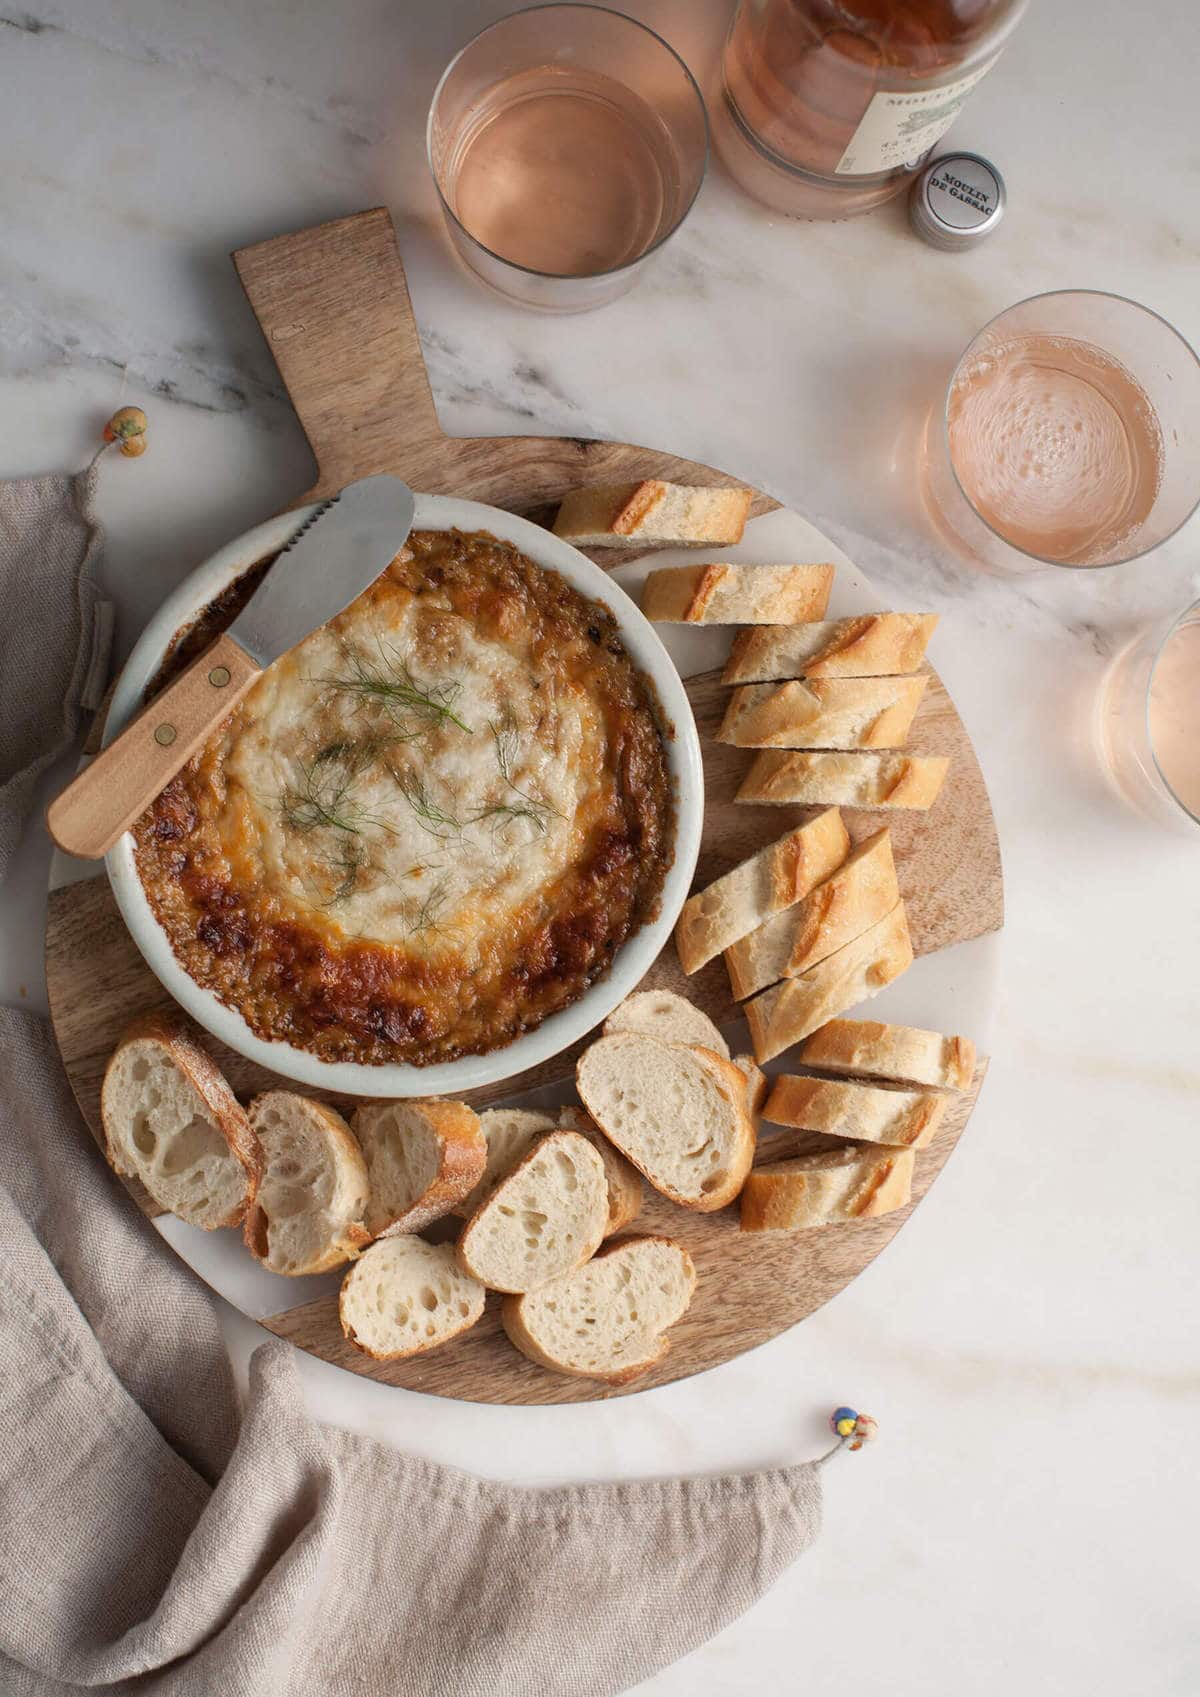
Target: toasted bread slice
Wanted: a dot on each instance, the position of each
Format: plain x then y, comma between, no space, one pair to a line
866,1113
623,1180
422,1157
545,1219
736,595
835,713
406,1296
308,1214
628,515
608,1320
771,880
902,1053
821,1190
861,892
778,779
171,1121
876,645
509,1134
789,1011
679,1114
661,1013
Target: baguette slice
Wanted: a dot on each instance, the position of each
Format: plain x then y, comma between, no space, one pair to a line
609,1319
860,893
820,1190
823,713
509,1134
624,515
679,1114
874,646
545,1219
899,1052
661,1013
406,1296
789,1011
422,1158
736,595
171,1121
308,1214
756,1086
844,780
867,1113
772,879
623,1180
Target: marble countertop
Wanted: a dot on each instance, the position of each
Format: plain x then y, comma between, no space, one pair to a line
1028,1343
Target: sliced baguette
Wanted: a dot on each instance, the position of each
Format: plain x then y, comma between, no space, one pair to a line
823,713
777,779
509,1134
308,1214
679,1114
545,1219
623,1180
756,1086
171,1121
736,595
821,1190
874,646
609,1319
406,1296
769,881
898,1052
861,892
422,1157
625,515
789,1011
661,1013
867,1113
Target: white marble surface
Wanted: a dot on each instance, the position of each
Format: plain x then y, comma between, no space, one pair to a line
1029,1342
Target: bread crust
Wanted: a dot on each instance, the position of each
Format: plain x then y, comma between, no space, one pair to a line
900,1119
821,1190
823,713
861,892
874,645
207,1079
519,1335
462,1156
769,881
724,594
824,778
902,1053
789,1011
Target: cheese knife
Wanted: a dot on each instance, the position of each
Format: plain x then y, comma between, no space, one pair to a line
332,558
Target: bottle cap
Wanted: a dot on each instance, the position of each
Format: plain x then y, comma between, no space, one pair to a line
956,201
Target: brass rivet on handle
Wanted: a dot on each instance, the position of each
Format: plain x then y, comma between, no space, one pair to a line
165,734
219,677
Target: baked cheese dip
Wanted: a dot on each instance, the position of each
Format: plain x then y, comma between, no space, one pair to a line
429,826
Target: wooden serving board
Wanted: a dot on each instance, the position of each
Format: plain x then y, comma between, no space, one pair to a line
334,306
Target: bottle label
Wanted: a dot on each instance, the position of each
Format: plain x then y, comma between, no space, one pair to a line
898,129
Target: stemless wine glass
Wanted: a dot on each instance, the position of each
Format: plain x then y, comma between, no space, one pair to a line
1147,721
567,142
1069,436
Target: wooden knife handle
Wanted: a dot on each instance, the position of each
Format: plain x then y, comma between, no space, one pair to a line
121,782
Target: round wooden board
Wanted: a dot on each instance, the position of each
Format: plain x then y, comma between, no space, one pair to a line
334,307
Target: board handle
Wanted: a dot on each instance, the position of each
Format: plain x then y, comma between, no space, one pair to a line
333,304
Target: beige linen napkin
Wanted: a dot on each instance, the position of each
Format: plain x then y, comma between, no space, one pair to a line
158,1539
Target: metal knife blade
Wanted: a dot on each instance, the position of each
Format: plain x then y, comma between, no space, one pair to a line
332,558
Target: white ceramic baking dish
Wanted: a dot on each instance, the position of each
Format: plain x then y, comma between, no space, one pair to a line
433,512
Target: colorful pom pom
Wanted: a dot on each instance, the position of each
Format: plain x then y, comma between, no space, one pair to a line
853,1428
